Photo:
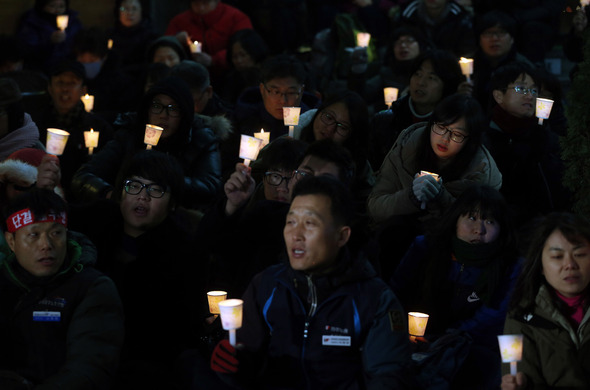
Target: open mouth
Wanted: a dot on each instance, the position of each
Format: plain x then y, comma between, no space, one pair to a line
141,211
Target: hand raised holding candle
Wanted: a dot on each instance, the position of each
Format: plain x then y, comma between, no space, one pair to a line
238,188
514,382
48,172
426,187
224,358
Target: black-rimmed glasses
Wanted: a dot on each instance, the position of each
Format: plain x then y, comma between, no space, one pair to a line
276,179
522,90
440,129
298,175
154,190
329,120
171,109
275,93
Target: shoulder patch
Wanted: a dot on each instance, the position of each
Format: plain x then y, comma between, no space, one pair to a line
396,320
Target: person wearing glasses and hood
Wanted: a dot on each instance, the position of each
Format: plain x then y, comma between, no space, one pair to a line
167,104
528,154
429,166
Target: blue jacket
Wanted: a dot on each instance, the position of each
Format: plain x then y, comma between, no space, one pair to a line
342,330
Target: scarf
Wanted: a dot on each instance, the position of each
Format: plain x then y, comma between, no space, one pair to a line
511,124
576,305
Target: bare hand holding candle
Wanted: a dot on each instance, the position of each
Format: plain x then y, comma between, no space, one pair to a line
291,118
543,109
152,135
88,101
62,22
363,39
390,95
249,148
265,137
511,350
230,311
56,141
466,67
91,140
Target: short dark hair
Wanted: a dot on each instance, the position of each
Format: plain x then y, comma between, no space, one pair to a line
446,67
508,73
156,166
342,205
195,75
282,66
283,153
330,151
495,18
40,201
251,42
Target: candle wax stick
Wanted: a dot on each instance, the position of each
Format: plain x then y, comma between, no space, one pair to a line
246,162
90,150
513,368
291,131
232,337
148,147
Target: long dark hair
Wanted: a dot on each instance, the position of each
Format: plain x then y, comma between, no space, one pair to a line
449,111
575,228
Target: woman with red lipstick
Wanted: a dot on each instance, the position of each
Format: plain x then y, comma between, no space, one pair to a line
404,201
464,269
549,307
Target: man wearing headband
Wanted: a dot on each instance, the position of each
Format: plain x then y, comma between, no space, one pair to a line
61,320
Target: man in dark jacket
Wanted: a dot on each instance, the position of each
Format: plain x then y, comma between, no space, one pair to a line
324,320
61,320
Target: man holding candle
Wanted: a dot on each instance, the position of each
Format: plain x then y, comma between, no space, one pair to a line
310,323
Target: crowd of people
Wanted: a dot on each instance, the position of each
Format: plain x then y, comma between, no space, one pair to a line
447,201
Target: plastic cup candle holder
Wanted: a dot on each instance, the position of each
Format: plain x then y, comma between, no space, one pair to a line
249,148
196,47
362,39
214,297
230,312
152,135
56,141
91,140
62,22
264,136
110,44
291,118
543,109
466,67
417,323
390,95
511,350
435,175
88,101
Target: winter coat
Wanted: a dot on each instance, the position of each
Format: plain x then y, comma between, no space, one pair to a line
26,136
65,332
392,195
347,341
554,354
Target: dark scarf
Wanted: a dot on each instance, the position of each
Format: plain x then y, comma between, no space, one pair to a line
69,119
484,256
511,124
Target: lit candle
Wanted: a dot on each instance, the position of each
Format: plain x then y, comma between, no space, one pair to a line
584,3
543,109
91,140
152,135
511,350
56,141
110,44
249,148
291,118
62,22
230,311
214,297
265,137
362,39
424,173
417,323
466,67
390,95
196,47
88,101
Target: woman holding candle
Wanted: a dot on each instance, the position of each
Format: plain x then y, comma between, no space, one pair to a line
463,270
404,201
549,306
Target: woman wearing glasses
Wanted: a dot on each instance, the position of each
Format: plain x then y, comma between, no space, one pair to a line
167,104
429,166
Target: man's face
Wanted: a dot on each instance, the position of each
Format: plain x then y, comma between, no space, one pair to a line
65,90
143,212
495,42
201,98
281,92
164,119
280,192
55,7
518,104
203,7
312,236
426,87
40,248
130,13
166,55
314,166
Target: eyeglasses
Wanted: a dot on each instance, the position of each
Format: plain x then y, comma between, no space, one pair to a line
533,91
441,129
171,109
134,187
405,41
129,10
298,175
289,96
276,179
492,34
329,120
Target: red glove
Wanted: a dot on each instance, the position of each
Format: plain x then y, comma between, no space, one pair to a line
224,359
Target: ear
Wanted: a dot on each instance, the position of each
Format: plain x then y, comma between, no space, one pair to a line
343,236
498,96
9,237
261,87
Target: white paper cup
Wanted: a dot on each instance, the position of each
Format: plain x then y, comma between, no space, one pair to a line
62,22
510,347
88,101
152,135
230,312
417,323
362,39
56,141
249,147
390,95
214,297
291,115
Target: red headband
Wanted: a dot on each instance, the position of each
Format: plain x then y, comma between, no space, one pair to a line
25,217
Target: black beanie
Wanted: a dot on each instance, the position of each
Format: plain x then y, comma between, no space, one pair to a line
11,100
